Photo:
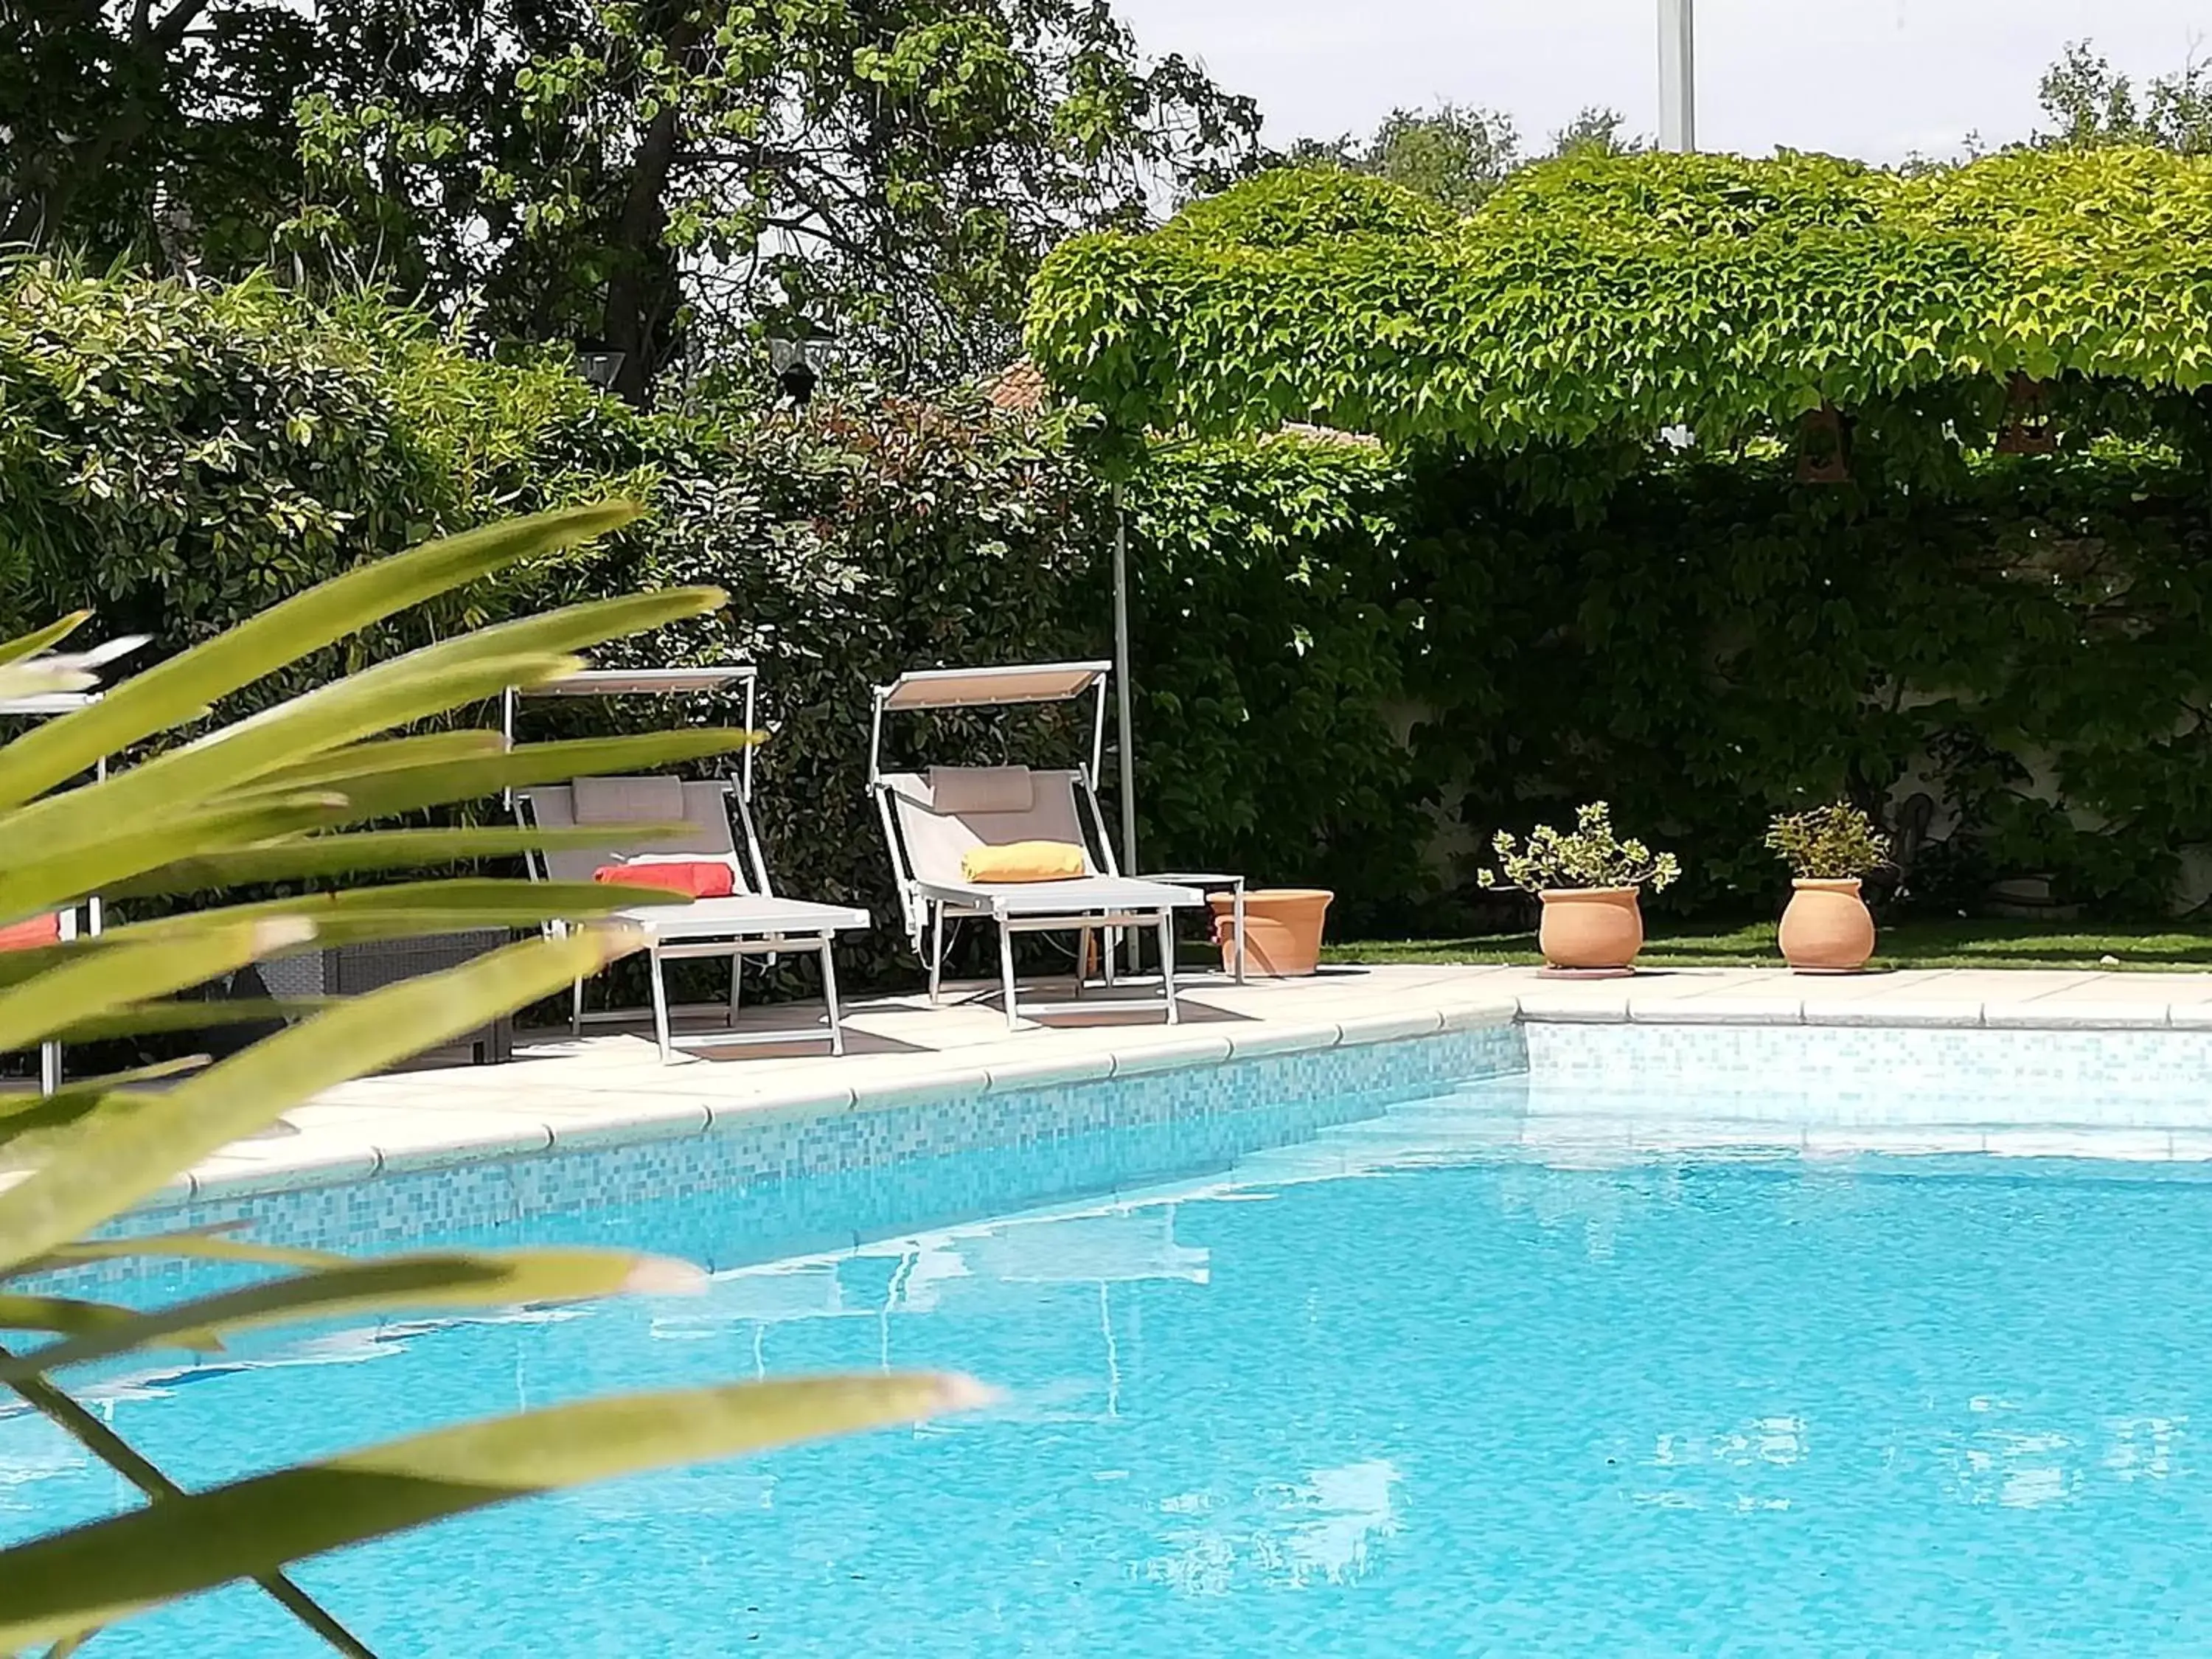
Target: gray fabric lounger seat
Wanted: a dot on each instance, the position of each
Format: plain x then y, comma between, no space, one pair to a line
933,819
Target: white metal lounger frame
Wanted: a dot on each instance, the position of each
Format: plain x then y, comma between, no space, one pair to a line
1045,907
769,928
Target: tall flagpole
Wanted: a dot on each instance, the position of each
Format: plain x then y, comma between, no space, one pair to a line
1678,76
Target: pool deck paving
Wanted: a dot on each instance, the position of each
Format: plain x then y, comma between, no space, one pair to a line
611,1085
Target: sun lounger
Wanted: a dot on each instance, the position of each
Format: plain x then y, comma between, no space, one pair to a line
932,819
753,922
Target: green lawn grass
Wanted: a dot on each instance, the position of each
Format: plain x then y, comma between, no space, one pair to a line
2168,947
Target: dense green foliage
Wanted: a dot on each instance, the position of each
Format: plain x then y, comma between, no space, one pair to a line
1271,621
856,543
658,178
1390,660
1353,665
183,457
1716,642
1581,609
1601,300
179,458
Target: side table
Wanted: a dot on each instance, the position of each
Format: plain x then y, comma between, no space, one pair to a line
1207,881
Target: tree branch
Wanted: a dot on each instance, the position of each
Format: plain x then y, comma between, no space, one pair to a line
179,18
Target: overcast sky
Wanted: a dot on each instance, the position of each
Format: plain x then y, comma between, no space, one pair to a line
1873,78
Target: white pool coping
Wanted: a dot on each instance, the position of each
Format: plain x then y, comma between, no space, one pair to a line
613,1088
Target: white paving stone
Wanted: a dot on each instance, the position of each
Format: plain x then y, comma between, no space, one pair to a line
609,1086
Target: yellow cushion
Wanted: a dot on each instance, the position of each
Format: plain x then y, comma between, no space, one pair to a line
1023,860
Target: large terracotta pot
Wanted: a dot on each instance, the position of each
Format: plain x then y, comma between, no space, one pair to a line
1827,928
1591,930
1282,929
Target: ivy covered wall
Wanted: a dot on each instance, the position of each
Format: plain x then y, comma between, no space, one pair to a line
1359,675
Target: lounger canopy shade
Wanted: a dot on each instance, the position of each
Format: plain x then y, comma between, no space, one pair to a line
649,683
1007,687
984,687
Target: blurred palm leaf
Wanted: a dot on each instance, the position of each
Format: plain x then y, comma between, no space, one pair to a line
176,691
198,1246
449,1278
41,640
303,858
270,798
94,1574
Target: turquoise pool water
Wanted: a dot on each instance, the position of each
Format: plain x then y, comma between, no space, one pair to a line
1411,1387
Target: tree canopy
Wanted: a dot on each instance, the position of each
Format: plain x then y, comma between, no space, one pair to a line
649,177
667,181
2091,104
1459,153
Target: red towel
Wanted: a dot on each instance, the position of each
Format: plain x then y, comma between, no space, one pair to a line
28,935
698,878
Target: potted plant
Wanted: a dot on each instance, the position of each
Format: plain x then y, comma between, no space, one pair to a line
1588,879
1827,928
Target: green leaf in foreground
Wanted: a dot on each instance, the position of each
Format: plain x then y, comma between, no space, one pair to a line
111,1449
89,984
103,1165
385,849
209,1246
174,691
95,1574
29,645
187,1014
65,1315
443,1278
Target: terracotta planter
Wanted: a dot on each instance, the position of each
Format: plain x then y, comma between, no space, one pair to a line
1590,930
1282,929
1827,928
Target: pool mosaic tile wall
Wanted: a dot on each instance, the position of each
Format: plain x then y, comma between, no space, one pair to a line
798,1182
2120,1076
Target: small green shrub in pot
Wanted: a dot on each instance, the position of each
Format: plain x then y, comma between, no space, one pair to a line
1588,878
1836,843
1588,856
1827,928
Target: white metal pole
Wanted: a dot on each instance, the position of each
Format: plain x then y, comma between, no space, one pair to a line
1124,722
745,779
1678,76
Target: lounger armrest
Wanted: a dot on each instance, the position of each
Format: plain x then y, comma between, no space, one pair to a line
746,917
1070,898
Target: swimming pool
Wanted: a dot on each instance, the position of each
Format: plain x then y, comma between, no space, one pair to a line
1421,1383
